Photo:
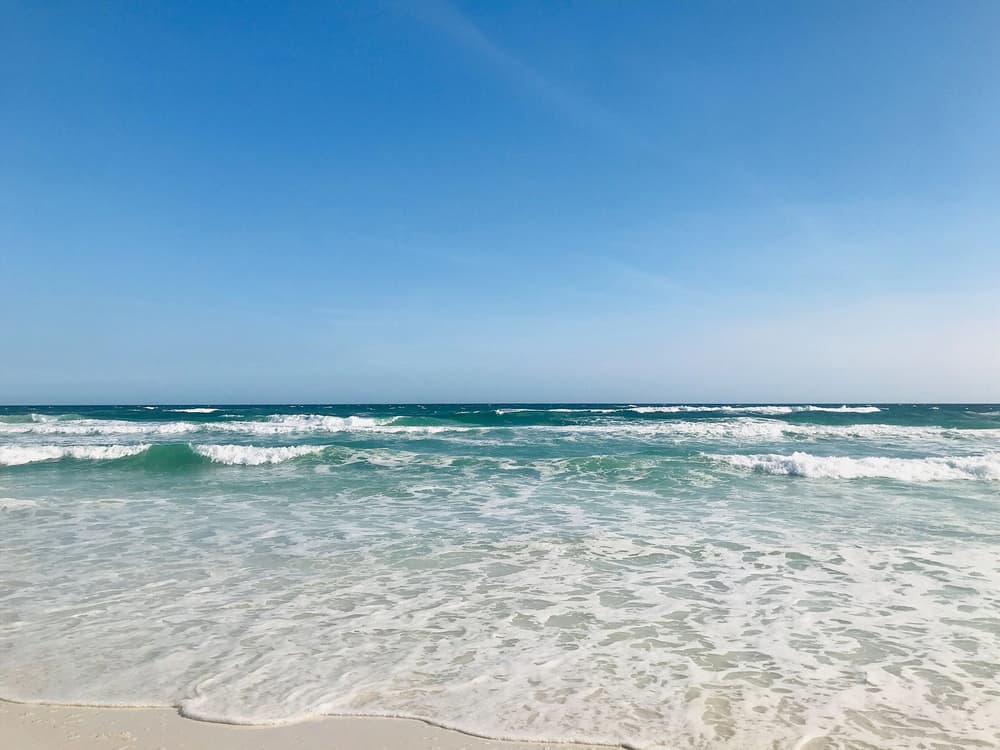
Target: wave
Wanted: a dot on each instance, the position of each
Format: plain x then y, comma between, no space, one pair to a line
749,429
17,455
932,469
594,410
195,410
762,410
740,428
162,456
276,424
686,408
249,455
170,456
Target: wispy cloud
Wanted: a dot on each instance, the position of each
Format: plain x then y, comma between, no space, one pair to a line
562,99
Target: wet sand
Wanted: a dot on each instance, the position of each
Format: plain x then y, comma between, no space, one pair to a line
53,727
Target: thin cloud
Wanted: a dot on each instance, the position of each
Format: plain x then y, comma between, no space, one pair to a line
577,108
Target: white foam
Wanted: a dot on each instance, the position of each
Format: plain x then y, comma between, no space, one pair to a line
546,594
99,427
654,635
16,455
842,409
984,467
755,409
273,425
750,429
248,455
722,408
13,503
195,410
734,428
561,410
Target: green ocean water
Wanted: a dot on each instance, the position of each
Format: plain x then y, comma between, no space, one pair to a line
670,576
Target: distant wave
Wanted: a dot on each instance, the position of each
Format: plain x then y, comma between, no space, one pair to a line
171,456
594,410
747,429
763,410
683,408
724,427
276,424
800,464
161,456
195,410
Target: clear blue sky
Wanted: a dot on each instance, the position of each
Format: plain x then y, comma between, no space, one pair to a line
641,201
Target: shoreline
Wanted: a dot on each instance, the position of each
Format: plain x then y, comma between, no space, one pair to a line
53,726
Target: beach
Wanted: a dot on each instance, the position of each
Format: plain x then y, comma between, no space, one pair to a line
454,375
47,727
666,576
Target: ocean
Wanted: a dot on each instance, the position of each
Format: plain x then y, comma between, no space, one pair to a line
665,576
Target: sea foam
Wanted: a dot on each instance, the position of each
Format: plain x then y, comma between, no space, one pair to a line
755,409
984,467
573,575
16,455
248,455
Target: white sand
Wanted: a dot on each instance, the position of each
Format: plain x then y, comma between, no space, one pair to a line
48,727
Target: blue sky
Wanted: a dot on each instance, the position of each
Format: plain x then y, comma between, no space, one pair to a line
442,201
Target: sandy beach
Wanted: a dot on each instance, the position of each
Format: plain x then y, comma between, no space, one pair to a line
52,727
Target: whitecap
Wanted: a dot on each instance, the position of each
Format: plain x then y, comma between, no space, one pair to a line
755,409
16,455
249,455
931,469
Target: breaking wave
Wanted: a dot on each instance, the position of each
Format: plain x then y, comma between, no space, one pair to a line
16,455
248,455
800,464
753,409
276,424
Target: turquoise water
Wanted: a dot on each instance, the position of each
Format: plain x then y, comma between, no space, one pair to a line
666,576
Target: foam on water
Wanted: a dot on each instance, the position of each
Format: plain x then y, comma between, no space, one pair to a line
277,424
560,410
568,573
248,455
756,409
985,467
756,429
14,455
13,503
681,408
721,428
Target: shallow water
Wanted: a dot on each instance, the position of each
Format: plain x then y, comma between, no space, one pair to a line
663,575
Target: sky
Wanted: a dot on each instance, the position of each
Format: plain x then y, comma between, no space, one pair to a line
518,201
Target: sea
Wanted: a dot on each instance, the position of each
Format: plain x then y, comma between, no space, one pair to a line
663,576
